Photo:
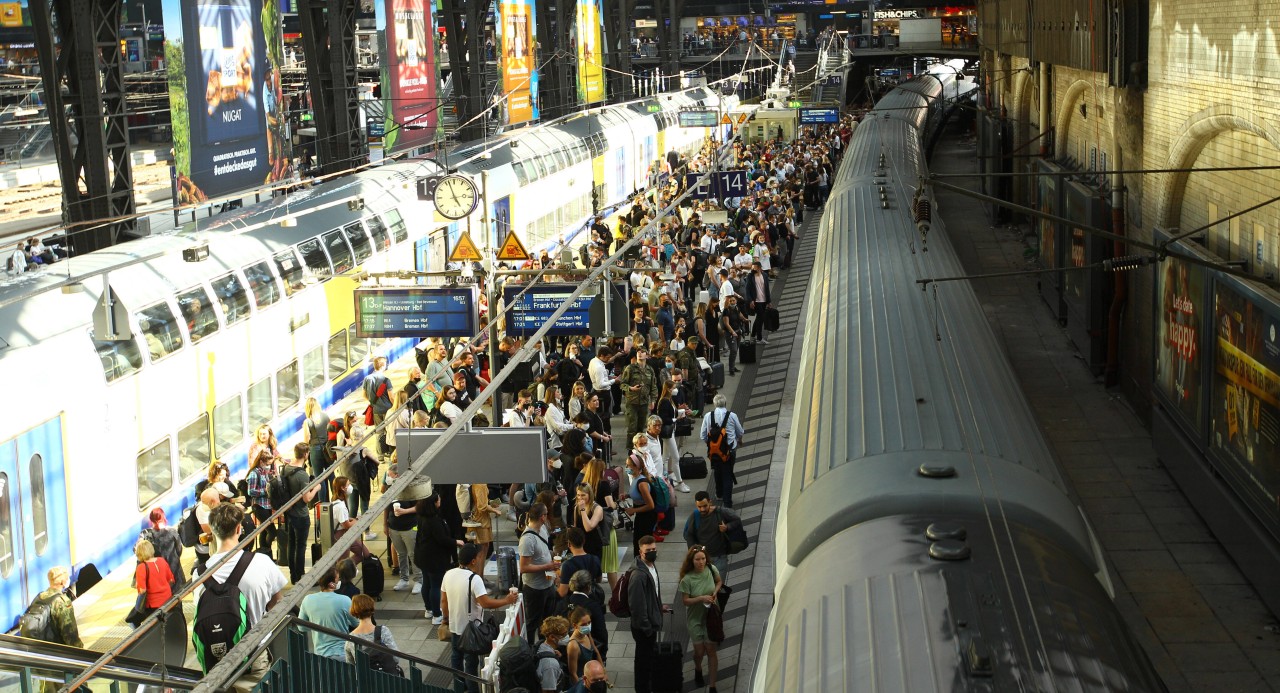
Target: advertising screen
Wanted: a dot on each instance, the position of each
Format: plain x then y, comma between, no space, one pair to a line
1180,293
590,59
1245,398
229,129
519,73
408,73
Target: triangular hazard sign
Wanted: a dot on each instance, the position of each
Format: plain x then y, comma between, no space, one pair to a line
512,248
726,120
742,119
465,250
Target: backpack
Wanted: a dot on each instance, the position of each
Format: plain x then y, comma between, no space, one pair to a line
518,666
189,530
331,439
619,601
718,439
37,622
382,661
278,489
222,616
657,489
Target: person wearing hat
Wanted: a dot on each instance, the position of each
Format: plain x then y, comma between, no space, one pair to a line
463,598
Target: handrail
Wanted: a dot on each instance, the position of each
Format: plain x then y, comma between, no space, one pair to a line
16,651
361,642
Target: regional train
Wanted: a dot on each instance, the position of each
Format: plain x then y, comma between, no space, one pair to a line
926,539
129,369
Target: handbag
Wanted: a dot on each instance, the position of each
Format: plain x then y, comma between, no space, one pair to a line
368,415
715,623
684,427
477,638
139,612
668,430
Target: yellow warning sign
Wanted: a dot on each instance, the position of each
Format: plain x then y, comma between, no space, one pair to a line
512,248
742,119
465,250
726,120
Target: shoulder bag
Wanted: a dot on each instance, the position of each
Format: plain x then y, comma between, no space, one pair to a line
477,638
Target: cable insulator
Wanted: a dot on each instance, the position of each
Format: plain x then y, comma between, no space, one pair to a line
1125,263
922,212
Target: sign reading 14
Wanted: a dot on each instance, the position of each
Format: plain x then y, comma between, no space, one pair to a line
455,197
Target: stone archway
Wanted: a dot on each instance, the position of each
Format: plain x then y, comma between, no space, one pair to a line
1062,123
1197,131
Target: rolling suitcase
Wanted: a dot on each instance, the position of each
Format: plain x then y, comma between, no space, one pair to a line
374,578
692,466
668,667
508,568
717,375
747,351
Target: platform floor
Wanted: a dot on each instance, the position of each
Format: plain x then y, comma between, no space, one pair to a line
1202,624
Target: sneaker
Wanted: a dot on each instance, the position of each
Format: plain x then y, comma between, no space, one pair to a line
370,536
417,588
511,516
470,523
402,585
436,620
683,488
763,340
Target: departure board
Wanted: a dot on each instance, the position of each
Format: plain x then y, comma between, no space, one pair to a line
416,312
814,116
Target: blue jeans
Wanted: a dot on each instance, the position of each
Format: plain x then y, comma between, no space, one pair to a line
464,662
299,540
319,462
430,590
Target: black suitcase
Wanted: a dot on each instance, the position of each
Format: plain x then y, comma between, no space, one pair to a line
717,374
508,568
692,466
668,667
374,577
772,319
747,351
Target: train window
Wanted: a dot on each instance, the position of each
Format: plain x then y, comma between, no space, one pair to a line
562,159
260,407
358,240
339,251
291,271
262,283
155,472
521,177
313,373
338,363
287,392
193,447
228,425
399,231
39,510
159,331
314,258
231,294
381,241
6,529
359,347
197,310
118,358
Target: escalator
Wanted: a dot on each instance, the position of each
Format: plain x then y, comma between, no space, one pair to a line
25,665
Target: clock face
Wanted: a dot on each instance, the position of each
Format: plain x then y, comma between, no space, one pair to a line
455,197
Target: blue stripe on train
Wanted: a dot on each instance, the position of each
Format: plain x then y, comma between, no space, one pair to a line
121,548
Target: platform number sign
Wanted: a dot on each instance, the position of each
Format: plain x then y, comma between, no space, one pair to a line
732,183
720,184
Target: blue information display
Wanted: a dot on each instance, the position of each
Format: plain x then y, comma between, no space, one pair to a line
720,184
698,119
817,116
531,310
416,312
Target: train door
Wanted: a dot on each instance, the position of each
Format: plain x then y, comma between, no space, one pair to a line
34,531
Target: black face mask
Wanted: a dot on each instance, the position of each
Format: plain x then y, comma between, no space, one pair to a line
599,687
651,556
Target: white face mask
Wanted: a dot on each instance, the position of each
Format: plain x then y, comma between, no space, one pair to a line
557,464
350,489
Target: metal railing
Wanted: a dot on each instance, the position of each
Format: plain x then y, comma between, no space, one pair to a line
25,665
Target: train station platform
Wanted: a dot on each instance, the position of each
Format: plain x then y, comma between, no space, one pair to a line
1201,623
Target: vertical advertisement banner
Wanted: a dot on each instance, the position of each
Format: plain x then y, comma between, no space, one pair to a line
519,73
1180,291
229,129
590,45
1246,387
406,31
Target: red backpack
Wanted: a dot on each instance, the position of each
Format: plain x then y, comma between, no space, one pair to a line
619,603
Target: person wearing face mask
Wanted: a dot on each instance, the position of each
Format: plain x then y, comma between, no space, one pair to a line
557,424
580,648
644,596
639,387
342,520
570,369
330,610
594,680
555,635
668,412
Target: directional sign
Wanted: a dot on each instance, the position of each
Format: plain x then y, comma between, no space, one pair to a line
795,104
720,184
813,116
415,312
465,250
697,119
512,249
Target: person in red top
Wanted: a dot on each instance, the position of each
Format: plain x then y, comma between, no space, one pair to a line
153,577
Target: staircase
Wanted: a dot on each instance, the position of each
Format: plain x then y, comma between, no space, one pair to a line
834,60
805,60
448,113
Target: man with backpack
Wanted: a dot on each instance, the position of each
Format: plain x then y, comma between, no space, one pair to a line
51,617
292,479
709,527
722,432
377,389
235,596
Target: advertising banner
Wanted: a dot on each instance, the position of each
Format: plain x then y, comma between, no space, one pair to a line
1181,297
519,71
590,57
1245,416
409,82
14,14
229,129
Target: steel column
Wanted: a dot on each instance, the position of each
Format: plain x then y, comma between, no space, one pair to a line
328,32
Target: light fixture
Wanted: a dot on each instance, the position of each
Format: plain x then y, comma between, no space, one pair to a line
197,253
289,221
355,205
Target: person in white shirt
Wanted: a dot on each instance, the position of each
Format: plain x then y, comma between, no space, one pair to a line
555,418
708,243
449,396
598,370
743,258
463,597
762,253
725,286
641,282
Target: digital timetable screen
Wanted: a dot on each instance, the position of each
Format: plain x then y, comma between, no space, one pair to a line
416,312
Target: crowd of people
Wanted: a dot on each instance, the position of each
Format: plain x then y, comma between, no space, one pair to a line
700,293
